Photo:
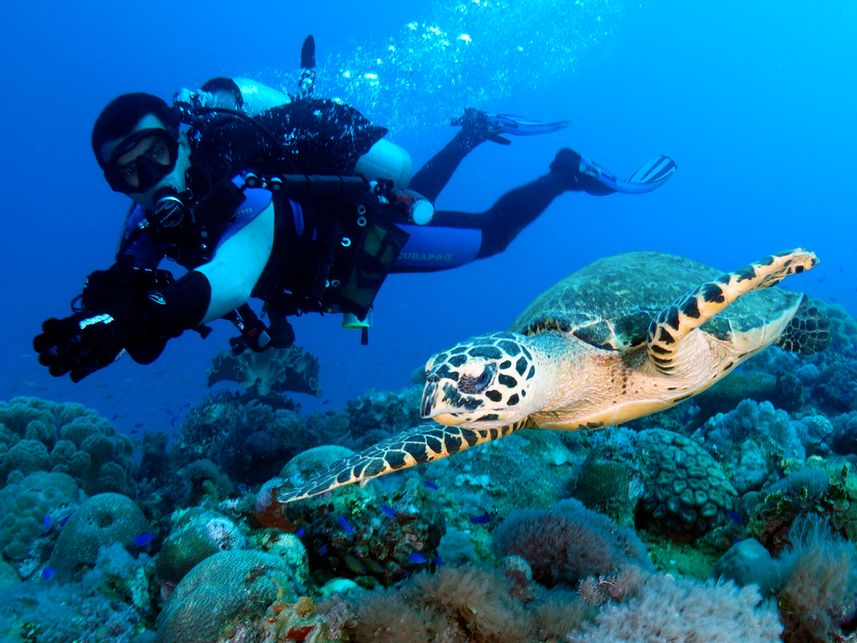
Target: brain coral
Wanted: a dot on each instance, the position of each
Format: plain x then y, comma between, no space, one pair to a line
225,592
684,490
101,520
37,435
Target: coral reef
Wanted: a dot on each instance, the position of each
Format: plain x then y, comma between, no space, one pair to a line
685,492
99,521
751,442
474,548
568,542
814,579
652,607
225,594
37,435
111,602
353,534
819,591
830,489
196,534
454,604
270,372
31,511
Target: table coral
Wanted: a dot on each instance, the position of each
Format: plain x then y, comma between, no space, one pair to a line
273,371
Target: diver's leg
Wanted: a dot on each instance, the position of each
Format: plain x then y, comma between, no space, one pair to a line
456,238
512,212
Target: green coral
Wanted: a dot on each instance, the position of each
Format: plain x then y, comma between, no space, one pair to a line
38,435
831,492
24,506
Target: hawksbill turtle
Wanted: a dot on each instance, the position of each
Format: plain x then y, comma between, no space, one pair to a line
621,338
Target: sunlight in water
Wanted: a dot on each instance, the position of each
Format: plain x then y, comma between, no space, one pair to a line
470,53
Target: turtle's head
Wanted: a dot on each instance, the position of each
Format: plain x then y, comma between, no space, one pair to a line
485,382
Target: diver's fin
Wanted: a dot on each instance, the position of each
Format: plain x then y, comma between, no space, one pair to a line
306,83
651,175
523,126
484,126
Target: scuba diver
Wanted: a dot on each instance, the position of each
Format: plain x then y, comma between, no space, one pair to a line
297,201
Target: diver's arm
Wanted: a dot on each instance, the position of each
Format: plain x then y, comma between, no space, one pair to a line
432,177
238,264
91,339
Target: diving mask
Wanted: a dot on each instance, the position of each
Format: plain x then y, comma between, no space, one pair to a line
140,161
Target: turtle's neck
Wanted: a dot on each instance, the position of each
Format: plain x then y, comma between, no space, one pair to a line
562,370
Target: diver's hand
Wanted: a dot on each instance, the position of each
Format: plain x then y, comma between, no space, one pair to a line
79,345
478,126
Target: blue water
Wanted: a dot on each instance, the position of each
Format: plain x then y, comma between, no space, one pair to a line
755,101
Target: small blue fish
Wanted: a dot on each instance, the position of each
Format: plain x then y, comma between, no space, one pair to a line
47,523
48,573
300,532
144,540
388,511
322,550
346,527
735,517
431,484
416,558
481,519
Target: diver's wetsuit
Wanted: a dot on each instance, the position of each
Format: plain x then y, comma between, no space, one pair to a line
327,139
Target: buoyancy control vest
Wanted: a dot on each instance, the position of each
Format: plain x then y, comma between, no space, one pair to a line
336,233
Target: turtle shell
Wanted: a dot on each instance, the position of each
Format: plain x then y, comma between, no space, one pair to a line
611,302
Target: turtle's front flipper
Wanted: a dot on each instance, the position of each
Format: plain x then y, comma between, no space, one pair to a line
422,444
674,322
809,330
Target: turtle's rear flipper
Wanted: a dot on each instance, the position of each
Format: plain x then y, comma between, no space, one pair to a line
422,444
809,330
675,321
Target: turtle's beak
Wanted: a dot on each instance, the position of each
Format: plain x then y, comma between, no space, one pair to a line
429,399
434,406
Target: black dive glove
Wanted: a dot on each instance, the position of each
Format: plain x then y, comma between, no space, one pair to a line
477,127
91,339
80,344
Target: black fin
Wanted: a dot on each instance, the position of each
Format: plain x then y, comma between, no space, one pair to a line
306,84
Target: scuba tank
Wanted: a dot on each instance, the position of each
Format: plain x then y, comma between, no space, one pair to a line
243,95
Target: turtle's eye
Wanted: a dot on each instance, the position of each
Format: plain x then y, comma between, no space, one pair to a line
477,383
